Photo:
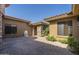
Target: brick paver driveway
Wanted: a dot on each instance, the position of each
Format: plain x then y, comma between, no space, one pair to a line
28,46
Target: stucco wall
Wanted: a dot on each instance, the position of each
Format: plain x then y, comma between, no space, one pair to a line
39,30
75,9
75,28
2,7
21,26
53,27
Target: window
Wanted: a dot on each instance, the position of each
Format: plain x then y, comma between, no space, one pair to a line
60,28
69,27
78,21
9,29
78,18
65,28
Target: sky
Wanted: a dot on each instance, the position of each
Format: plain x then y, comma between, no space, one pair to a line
36,12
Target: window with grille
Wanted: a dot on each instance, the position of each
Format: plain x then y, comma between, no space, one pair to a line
64,28
60,28
10,29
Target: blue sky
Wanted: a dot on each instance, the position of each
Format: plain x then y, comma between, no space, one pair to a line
36,12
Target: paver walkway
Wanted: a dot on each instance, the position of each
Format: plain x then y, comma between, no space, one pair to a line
31,46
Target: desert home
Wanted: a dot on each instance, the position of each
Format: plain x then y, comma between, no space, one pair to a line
13,27
59,26
20,36
65,24
39,28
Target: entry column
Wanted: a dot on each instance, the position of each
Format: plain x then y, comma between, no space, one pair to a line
2,7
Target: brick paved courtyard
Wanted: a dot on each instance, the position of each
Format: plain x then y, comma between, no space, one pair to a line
31,46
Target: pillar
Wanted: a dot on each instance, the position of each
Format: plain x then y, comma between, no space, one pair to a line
1,14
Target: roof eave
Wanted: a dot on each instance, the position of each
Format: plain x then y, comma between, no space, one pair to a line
17,19
61,18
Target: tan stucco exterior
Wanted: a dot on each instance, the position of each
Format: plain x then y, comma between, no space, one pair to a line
36,29
75,9
53,27
21,27
63,18
2,8
39,28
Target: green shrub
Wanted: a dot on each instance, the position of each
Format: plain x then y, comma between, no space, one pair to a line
45,32
51,38
73,43
63,41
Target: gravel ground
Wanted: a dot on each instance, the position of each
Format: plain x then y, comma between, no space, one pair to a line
32,46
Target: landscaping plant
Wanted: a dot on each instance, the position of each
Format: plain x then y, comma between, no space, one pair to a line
73,43
51,38
45,32
63,41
